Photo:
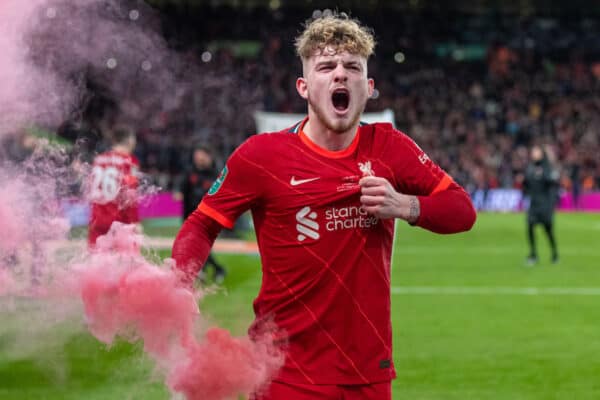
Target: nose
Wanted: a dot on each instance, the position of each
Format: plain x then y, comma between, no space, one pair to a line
340,75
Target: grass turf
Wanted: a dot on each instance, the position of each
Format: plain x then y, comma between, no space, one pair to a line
447,346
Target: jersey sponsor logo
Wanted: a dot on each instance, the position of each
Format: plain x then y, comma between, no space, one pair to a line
296,182
336,218
365,168
218,182
351,217
307,225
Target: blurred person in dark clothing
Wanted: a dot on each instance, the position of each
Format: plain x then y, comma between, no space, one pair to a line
196,182
575,178
541,185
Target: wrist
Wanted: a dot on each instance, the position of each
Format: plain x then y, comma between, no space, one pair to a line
413,210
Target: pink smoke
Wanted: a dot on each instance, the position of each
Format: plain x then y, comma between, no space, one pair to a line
6,280
12,215
27,94
125,296
52,50
30,217
223,366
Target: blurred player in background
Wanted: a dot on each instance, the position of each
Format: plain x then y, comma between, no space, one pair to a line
324,195
196,182
541,185
114,181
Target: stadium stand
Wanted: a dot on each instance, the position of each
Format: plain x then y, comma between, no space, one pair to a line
475,89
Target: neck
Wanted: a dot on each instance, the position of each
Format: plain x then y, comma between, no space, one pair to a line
121,149
327,139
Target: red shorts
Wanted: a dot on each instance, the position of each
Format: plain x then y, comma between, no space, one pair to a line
295,391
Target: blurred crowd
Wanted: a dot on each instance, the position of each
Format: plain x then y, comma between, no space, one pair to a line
475,91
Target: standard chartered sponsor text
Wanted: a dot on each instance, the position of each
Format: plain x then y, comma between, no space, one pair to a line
350,217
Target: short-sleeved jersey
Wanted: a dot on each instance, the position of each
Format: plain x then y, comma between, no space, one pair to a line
325,261
112,189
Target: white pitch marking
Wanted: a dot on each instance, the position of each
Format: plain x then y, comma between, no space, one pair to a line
500,290
444,249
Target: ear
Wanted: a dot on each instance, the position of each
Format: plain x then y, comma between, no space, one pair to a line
302,87
371,86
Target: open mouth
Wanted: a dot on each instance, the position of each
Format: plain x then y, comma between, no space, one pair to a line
340,99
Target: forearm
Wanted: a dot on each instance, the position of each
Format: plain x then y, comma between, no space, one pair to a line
448,211
193,243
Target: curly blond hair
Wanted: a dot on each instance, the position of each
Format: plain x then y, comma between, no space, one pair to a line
338,31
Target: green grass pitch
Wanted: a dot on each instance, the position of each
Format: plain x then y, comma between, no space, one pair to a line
471,321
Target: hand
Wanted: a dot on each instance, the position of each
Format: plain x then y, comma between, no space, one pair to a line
379,198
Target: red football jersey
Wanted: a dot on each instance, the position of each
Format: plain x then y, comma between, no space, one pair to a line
113,190
325,261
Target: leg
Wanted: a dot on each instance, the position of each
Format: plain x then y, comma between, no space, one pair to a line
549,228
532,259
576,192
374,391
294,391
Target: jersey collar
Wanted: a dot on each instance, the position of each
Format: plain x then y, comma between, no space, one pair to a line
299,128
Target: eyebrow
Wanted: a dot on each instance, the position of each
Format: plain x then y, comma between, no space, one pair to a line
326,62
351,63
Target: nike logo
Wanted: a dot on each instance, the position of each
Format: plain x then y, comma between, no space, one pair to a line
296,182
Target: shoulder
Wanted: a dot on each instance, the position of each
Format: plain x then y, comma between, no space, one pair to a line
102,158
134,160
383,131
102,155
262,147
265,144
384,134
394,147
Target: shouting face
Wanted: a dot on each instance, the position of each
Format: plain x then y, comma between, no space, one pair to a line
336,88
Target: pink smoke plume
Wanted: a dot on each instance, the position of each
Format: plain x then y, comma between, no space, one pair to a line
53,50
30,216
123,295
12,215
20,83
126,296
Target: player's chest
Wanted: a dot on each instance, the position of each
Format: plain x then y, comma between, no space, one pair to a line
319,181
316,200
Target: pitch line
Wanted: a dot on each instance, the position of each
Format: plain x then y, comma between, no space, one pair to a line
492,291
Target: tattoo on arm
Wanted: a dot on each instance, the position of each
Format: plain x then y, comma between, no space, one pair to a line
414,210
